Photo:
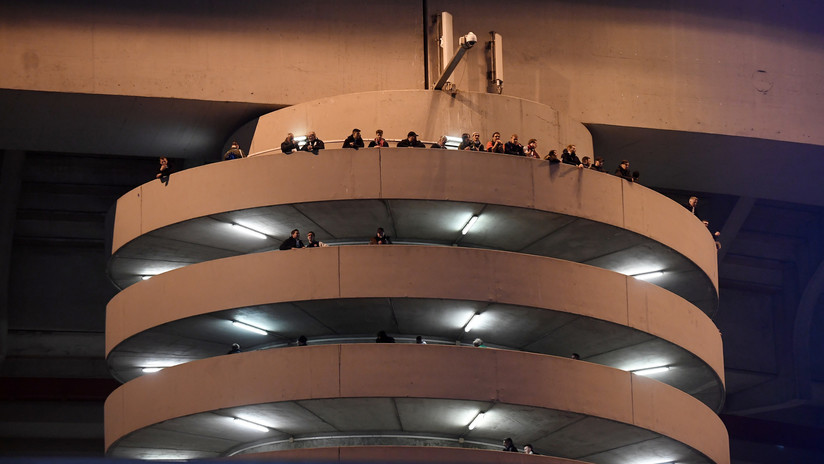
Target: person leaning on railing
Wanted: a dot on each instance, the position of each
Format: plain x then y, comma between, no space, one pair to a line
313,144
353,141
495,145
411,141
378,141
289,145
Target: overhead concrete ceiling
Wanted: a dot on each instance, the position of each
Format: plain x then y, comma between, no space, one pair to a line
415,221
357,320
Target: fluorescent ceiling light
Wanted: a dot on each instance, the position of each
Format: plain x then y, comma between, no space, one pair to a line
250,328
478,419
469,225
472,321
149,370
649,275
248,231
250,425
651,370
146,277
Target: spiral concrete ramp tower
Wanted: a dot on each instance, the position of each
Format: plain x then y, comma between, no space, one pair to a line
553,265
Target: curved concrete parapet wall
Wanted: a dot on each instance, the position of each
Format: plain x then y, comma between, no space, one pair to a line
340,384
429,113
405,454
518,290
616,224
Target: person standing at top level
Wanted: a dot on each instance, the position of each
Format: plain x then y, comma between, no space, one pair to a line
378,141
531,150
495,145
313,143
234,152
473,143
440,144
353,141
623,171
585,163
380,238
411,141
289,145
570,157
552,157
598,165
513,147
292,242
692,204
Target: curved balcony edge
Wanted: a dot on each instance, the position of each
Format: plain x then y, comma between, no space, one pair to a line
431,175
405,454
464,274
412,371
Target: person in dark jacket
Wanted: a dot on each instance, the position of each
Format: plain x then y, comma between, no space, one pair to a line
622,171
353,141
380,238
440,144
164,171
289,145
411,141
569,156
473,143
292,242
313,143
311,242
552,157
383,338
598,165
378,141
509,446
513,147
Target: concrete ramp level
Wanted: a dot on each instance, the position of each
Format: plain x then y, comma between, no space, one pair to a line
556,263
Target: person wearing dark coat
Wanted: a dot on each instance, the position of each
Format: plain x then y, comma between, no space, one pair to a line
383,338
441,144
411,141
598,165
164,171
513,147
289,145
552,157
509,446
622,171
472,144
380,238
313,143
353,141
569,156
292,242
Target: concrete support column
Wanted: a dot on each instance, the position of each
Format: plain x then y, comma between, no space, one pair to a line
11,175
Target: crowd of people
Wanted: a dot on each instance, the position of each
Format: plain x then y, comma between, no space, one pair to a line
470,142
294,241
